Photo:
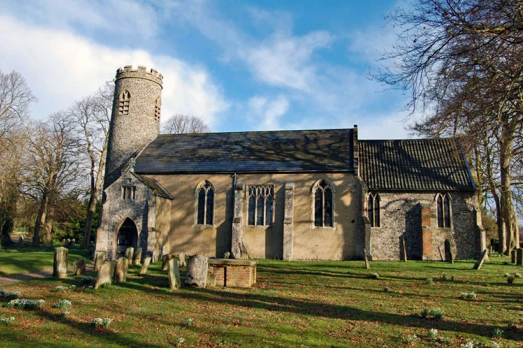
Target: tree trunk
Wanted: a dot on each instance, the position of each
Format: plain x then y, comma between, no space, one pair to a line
40,220
48,232
89,221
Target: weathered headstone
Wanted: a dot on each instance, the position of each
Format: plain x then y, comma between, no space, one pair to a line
129,253
145,265
120,273
174,275
482,259
105,274
519,257
163,253
196,274
513,256
99,259
80,267
367,265
181,259
137,260
404,254
156,256
61,258
165,262
448,252
227,255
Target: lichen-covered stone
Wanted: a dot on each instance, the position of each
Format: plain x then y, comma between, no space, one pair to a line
196,274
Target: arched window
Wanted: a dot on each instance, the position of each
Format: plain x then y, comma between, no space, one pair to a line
444,209
205,203
157,109
123,103
260,209
323,204
373,209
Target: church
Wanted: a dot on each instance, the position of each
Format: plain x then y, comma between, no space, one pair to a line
291,195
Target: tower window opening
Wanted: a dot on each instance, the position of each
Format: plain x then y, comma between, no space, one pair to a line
157,109
123,103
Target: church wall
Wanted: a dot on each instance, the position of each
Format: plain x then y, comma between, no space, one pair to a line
309,242
401,218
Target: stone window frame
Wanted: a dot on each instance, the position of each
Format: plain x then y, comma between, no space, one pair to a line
314,188
210,188
443,209
157,109
124,103
128,190
373,209
266,222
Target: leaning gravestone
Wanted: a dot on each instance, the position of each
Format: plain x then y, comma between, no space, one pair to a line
513,256
519,257
105,274
367,264
137,261
196,274
482,259
174,275
61,256
181,258
145,265
80,267
448,252
165,262
129,253
120,273
99,259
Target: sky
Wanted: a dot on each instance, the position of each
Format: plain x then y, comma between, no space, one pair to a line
239,65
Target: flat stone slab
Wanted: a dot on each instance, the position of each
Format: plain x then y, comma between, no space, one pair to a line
232,262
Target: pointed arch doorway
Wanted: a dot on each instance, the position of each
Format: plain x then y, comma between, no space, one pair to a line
127,237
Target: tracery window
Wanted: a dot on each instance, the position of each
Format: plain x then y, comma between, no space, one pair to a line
373,209
444,209
205,205
157,109
261,203
123,103
323,204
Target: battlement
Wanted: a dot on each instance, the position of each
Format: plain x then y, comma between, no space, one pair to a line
141,72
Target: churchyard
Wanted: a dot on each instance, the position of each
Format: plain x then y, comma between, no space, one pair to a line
292,304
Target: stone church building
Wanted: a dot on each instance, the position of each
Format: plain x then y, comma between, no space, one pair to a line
292,195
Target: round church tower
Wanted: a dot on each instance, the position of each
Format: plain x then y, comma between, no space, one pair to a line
135,119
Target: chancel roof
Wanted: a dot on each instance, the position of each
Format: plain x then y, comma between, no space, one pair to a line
414,165
249,152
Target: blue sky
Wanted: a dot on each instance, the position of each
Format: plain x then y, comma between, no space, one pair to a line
240,65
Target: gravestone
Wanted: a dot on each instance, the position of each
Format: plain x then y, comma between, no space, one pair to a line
482,259
165,262
448,252
174,275
196,274
129,253
156,256
404,253
181,258
227,255
105,274
61,261
519,257
163,253
120,273
367,265
99,259
513,256
145,265
137,261
80,267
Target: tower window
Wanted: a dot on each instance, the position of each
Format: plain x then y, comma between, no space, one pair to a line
323,204
157,109
129,192
123,103
260,210
444,211
373,209
205,203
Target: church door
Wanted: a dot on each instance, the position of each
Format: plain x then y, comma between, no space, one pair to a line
127,237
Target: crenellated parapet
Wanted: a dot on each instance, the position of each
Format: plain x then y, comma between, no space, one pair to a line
141,73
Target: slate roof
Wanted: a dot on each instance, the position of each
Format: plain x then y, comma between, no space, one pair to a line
249,152
414,165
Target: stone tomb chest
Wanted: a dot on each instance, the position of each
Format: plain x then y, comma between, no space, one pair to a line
232,273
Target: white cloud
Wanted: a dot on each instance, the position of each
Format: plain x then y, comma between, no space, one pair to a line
268,110
62,67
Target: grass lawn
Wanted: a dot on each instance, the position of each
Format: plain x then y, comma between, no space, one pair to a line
293,304
27,259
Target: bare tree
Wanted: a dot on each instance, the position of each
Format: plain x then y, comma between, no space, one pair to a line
15,98
92,115
461,61
50,169
181,124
